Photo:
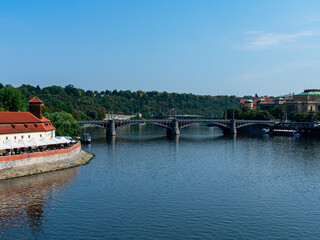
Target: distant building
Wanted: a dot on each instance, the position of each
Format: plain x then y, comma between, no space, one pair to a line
253,103
307,101
248,103
26,125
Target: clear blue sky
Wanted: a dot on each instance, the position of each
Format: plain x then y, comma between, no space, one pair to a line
203,47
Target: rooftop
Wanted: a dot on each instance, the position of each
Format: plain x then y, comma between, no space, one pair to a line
20,117
312,90
35,100
25,128
308,93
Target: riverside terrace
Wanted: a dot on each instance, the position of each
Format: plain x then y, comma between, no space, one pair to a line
173,126
9,147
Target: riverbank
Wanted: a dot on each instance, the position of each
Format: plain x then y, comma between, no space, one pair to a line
37,163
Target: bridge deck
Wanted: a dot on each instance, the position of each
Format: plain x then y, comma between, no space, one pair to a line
179,120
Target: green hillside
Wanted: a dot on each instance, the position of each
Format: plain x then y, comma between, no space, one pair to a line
94,105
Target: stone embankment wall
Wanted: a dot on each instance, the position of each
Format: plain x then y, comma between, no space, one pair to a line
40,162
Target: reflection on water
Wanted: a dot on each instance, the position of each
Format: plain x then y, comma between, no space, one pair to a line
23,202
199,185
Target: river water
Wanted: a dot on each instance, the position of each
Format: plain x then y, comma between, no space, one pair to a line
201,185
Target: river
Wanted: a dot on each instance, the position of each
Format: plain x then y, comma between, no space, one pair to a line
200,185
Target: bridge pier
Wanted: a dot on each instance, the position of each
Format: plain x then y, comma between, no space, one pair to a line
233,127
174,130
111,131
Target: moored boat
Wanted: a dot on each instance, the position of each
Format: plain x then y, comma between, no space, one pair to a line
86,138
284,132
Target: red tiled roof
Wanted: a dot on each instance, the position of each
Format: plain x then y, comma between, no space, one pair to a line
25,128
20,117
35,100
23,122
243,100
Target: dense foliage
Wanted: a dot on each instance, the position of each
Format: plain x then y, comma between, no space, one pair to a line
278,112
248,114
304,117
64,123
83,105
11,100
89,104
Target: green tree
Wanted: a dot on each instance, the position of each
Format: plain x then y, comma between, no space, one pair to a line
249,114
64,123
12,100
79,115
304,117
94,105
278,112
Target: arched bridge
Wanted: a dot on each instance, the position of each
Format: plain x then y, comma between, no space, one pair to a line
173,126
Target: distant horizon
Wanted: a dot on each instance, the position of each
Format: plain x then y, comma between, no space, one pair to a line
253,95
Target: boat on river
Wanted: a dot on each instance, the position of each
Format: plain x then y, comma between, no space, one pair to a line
86,138
284,132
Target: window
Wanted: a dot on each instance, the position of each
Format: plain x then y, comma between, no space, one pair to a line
15,137
29,136
21,137
7,138
40,135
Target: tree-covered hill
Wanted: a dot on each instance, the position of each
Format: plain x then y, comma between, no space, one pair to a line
94,105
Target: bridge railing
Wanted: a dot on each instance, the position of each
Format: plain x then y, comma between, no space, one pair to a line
180,120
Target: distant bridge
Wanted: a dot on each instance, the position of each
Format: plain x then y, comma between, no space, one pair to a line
173,126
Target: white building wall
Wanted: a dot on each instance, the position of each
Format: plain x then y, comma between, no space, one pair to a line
26,136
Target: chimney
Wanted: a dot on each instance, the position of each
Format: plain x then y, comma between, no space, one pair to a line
35,107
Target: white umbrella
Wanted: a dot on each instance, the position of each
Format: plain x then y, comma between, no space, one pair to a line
47,141
65,140
62,140
35,143
3,146
25,143
55,140
58,141
11,144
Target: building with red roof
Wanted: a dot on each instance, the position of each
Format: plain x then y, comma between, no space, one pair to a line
255,101
307,101
26,125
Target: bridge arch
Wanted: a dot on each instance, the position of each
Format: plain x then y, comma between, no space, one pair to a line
255,124
147,123
211,124
93,125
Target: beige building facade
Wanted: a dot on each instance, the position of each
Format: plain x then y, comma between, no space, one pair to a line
307,101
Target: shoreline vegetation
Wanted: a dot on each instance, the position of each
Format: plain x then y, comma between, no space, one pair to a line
64,106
